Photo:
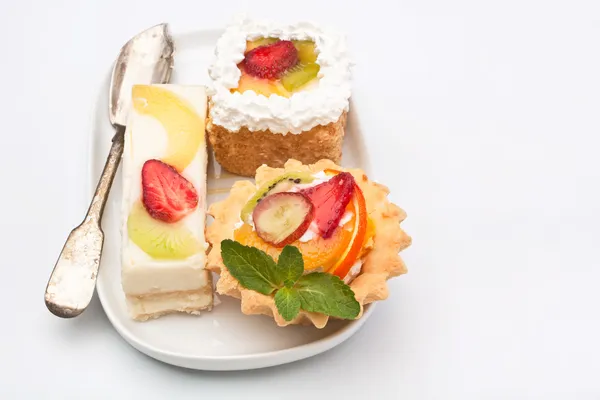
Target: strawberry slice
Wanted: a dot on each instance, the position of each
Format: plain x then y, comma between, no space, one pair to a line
330,200
166,194
270,61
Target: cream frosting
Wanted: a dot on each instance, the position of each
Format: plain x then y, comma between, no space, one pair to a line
353,272
320,105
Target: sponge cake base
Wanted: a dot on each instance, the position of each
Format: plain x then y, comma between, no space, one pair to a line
244,151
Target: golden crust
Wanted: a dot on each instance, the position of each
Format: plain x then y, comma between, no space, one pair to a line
380,264
244,151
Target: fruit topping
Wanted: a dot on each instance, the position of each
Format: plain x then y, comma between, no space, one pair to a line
270,61
184,127
330,200
280,184
166,194
277,67
159,239
260,86
353,250
252,44
282,218
306,51
298,76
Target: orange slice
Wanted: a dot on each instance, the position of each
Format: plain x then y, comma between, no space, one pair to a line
353,250
184,127
317,252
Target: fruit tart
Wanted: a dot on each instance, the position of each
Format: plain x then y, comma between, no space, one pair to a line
279,92
163,207
306,243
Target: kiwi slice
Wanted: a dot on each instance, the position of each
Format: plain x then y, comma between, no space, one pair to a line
280,184
306,51
159,239
299,76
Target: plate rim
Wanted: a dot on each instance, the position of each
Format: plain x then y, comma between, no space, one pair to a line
212,362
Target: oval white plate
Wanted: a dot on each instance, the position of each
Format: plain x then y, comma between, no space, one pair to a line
223,339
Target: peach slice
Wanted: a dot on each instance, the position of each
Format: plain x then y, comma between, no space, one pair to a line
183,125
260,86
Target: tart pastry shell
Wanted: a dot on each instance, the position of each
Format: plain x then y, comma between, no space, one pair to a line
381,263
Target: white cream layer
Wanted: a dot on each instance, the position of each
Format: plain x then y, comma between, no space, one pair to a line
322,104
145,138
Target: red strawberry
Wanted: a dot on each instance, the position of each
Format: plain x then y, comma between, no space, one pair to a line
270,61
167,195
330,200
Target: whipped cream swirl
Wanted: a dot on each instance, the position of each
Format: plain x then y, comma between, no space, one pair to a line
320,104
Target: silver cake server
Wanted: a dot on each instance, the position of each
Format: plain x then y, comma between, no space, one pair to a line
146,58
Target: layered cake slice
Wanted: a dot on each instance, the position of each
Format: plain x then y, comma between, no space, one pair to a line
279,92
164,192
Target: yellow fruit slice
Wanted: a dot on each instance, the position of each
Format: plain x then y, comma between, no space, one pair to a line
159,239
307,52
317,253
260,86
183,125
252,44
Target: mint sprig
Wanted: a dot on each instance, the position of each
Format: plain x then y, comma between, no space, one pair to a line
290,265
314,292
327,294
288,302
254,268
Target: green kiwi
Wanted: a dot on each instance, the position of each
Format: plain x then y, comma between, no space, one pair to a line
306,51
280,184
159,239
300,75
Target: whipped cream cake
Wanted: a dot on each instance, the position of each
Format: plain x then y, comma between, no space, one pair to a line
163,205
278,92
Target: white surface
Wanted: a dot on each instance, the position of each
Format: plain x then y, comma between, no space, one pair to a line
223,339
488,137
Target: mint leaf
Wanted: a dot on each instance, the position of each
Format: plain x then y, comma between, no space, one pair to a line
290,265
253,268
287,301
327,294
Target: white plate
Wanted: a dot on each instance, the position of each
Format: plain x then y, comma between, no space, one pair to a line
223,339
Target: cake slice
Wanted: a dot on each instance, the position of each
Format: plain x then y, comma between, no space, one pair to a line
163,206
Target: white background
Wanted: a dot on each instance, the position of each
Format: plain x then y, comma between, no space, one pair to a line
482,117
